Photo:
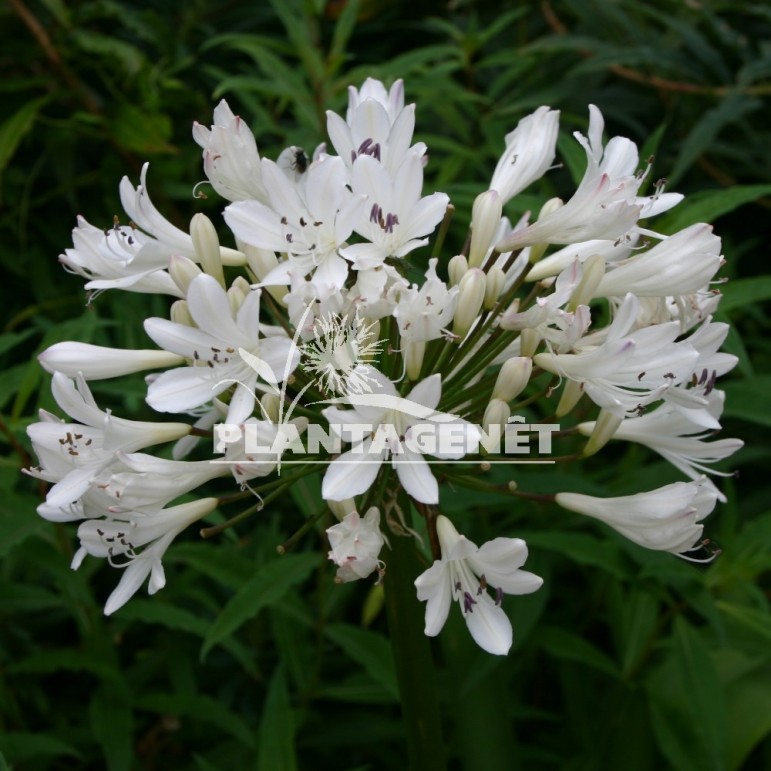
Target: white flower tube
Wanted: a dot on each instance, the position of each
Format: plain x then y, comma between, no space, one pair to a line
666,519
97,362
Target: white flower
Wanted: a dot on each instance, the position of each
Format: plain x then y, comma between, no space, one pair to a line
356,543
72,454
213,350
629,369
377,125
230,156
96,362
119,258
529,153
121,538
678,265
672,434
666,519
464,573
396,428
424,312
396,218
309,221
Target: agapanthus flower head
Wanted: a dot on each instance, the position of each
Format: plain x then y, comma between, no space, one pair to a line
328,328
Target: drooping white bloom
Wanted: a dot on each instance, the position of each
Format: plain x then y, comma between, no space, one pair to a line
631,368
119,258
465,573
668,431
678,265
356,543
73,454
402,429
667,519
230,156
140,540
96,362
530,150
396,219
213,351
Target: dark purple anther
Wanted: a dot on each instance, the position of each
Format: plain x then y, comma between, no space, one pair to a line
468,602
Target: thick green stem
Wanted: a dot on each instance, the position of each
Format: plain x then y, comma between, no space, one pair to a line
412,654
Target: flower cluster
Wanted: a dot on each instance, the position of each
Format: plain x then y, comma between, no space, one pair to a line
302,344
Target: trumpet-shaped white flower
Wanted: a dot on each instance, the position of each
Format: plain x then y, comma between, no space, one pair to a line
396,218
377,125
465,573
140,540
529,153
356,543
213,351
667,519
308,221
395,430
230,156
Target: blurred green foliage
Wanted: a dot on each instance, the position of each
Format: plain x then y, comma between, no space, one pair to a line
626,659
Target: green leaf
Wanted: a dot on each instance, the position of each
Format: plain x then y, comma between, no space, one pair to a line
277,727
18,746
569,646
742,292
18,520
267,586
112,724
708,205
371,650
748,399
12,131
203,708
755,620
581,548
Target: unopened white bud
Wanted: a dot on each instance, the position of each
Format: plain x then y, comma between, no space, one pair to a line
182,271
413,358
207,246
180,314
471,295
496,279
236,295
457,268
271,406
593,270
512,378
260,261
485,218
602,431
496,414
529,340
571,394
341,509
537,250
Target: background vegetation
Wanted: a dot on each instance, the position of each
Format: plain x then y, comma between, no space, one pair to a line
626,659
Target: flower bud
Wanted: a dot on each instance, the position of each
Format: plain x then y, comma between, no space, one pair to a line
413,358
537,250
604,427
207,246
470,297
182,271
593,271
457,268
341,509
514,375
529,340
494,283
180,314
271,405
496,414
485,218
260,261
571,394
